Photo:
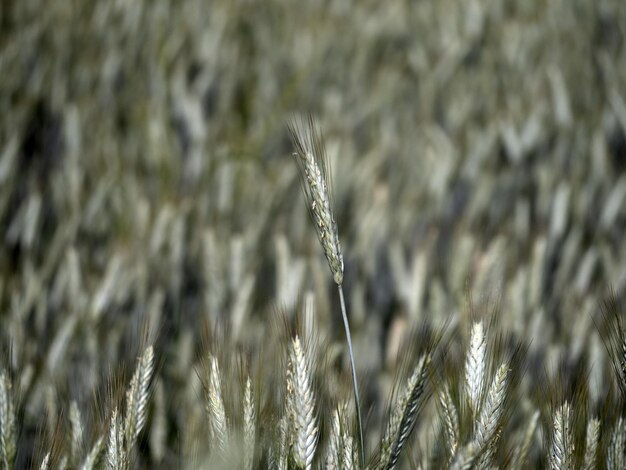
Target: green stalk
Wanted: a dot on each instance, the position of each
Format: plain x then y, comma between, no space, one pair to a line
354,381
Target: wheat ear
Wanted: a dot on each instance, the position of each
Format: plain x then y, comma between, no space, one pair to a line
279,456
450,419
7,423
76,432
617,445
218,427
404,415
115,457
316,183
562,451
475,367
340,452
137,398
333,457
249,425
302,407
489,419
591,443
313,163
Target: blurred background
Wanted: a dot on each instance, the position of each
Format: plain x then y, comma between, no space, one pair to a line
146,177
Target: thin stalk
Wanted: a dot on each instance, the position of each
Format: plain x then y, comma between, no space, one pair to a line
354,382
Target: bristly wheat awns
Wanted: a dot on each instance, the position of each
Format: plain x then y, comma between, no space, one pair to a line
316,183
312,161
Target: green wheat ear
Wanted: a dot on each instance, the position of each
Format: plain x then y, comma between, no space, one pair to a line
315,176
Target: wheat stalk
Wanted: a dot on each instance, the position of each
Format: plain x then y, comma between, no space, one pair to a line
316,183
7,423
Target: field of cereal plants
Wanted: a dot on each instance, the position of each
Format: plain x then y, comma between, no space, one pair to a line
169,268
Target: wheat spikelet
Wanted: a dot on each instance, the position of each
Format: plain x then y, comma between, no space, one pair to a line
7,423
450,418
137,397
521,453
475,367
302,412
249,425
562,450
404,415
591,443
312,162
218,426
617,446
93,457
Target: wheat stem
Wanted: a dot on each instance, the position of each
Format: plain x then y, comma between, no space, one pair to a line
357,402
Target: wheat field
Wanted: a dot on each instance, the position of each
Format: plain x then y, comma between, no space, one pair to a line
190,277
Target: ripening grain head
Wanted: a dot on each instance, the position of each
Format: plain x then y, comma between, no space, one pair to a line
316,183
